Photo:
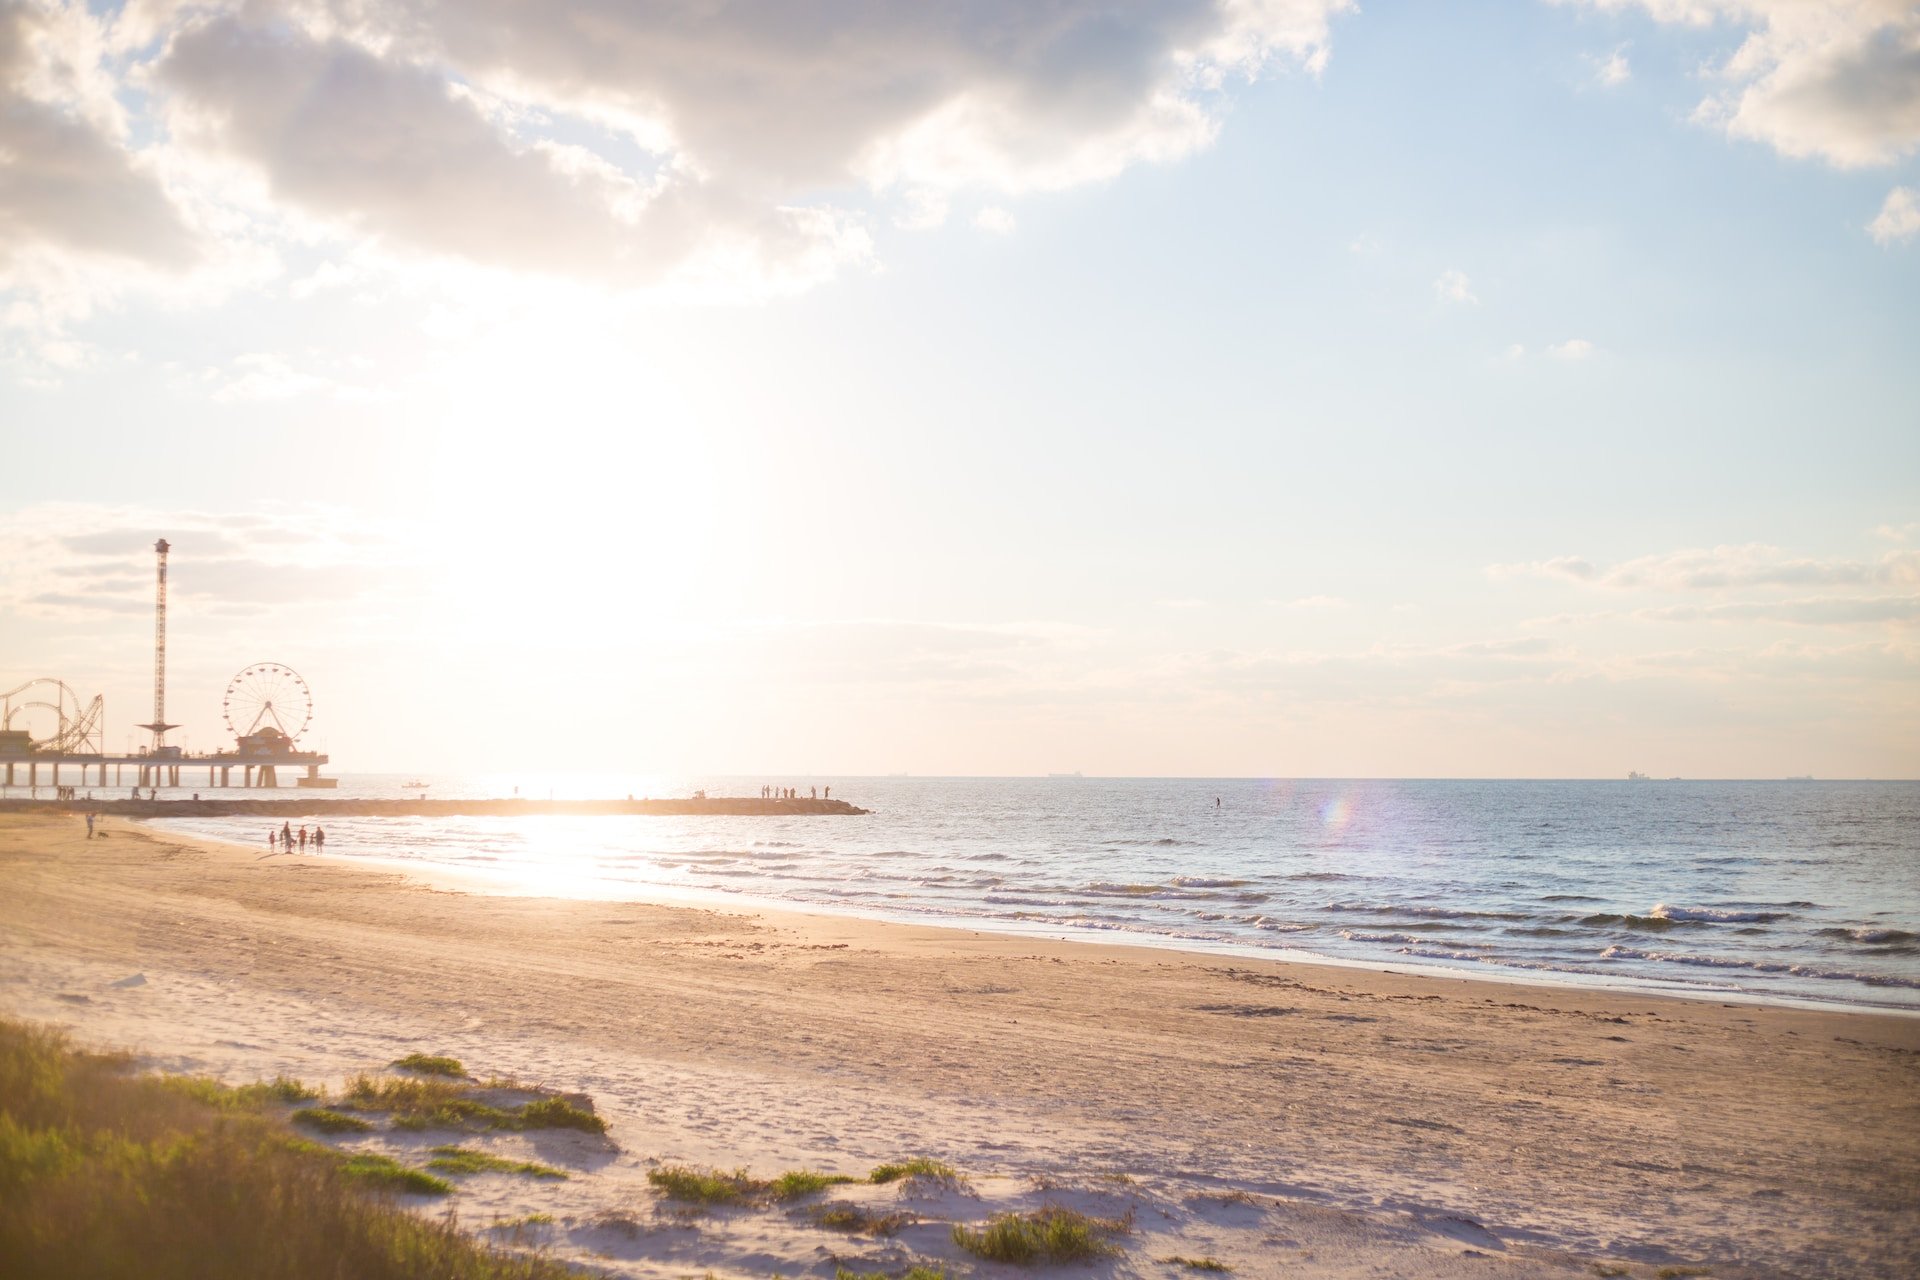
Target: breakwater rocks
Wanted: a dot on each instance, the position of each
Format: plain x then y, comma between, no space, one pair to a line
307,806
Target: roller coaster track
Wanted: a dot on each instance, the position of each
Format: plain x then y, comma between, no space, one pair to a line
79,731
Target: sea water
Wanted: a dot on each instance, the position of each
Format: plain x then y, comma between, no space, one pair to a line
1787,891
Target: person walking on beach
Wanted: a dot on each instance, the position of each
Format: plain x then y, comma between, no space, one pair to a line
319,841
273,838
89,826
303,838
286,836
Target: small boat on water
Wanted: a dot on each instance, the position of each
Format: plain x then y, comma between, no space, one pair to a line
413,785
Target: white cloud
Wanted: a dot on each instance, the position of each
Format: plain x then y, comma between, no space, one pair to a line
1613,70
264,376
85,216
1453,286
384,149
1572,349
922,209
76,559
68,180
994,219
625,145
1571,568
1813,611
1722,568
1899,217
1838,79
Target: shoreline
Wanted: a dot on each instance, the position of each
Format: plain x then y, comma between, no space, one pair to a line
310,806
653,894
1364,1109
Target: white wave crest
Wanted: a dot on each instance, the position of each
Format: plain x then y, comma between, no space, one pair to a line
1717,915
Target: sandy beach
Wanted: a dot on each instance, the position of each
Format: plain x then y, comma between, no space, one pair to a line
1285,1119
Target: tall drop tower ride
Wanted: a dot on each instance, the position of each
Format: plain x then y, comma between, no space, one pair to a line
160,726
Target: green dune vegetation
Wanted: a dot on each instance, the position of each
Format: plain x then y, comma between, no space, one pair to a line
438,1103
709,1187
1045,1235
107,1172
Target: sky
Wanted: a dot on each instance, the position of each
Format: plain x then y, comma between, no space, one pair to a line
1236,388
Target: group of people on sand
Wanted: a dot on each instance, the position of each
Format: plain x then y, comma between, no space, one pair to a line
289,841
792,793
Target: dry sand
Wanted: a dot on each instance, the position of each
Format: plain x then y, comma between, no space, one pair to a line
1286,1119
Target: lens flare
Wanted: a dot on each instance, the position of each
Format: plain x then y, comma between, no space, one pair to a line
1335,813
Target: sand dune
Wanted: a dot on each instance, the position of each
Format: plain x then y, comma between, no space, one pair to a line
1284,1119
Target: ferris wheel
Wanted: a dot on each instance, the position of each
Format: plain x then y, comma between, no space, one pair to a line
267,695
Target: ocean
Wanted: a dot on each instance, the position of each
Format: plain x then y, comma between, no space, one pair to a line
1779,891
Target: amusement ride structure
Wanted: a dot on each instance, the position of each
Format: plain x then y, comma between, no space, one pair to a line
76,729
267,707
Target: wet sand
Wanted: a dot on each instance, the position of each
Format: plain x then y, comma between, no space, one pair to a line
1287,1119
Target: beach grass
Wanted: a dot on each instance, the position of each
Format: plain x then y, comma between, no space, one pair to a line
707,1187
842,1215
918,1167
911,1273
428,1064
106,1173
1044,1235
455,1159
1208,1263
384,1173
558,1113
404,1094
795,1183
246,1097
437,1103
327,1121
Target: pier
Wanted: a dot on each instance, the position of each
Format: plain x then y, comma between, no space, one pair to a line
21,766
335,807
267,707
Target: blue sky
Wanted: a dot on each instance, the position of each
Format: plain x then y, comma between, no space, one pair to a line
1453,394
